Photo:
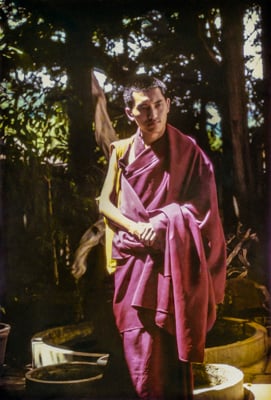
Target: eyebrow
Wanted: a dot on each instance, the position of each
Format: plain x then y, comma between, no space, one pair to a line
146,102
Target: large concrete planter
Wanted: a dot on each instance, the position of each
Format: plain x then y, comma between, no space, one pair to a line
68,380
244,352
57,345
218,382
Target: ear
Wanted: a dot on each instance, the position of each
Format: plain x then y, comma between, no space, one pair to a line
129,114
168,103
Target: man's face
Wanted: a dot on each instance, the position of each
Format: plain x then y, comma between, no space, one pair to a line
149,111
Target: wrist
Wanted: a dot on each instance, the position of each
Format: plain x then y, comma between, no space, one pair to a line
132,228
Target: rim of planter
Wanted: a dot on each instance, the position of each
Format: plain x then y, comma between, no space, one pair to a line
231,387
52,339
47,335
234,353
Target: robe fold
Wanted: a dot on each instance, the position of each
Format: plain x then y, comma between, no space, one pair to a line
177,283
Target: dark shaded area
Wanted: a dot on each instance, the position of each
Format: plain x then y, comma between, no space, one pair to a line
89,300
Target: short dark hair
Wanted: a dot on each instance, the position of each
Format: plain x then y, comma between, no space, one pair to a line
142,82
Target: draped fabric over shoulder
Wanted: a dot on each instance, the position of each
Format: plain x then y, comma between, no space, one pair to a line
177,283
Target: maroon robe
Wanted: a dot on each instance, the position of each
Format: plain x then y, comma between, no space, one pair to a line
177,284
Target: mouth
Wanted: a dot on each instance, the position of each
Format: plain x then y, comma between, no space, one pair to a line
153,123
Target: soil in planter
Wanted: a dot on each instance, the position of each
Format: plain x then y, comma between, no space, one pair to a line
66,372
206,376
88,345
224,332
64,381
227,332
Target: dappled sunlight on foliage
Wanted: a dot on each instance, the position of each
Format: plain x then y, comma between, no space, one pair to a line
31,125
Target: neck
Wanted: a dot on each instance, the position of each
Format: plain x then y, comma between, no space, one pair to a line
148,138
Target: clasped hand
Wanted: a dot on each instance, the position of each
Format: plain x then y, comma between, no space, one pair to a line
144,232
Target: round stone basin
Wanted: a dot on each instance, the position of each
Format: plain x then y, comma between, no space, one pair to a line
236,342
69,380
218,382
63,344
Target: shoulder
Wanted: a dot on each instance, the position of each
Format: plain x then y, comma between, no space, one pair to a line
121,145
186,146
183,139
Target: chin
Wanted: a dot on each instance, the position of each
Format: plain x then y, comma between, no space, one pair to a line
155,128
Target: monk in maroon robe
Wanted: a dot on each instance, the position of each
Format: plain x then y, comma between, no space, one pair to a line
159,197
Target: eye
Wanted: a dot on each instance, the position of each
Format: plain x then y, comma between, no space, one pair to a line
143,107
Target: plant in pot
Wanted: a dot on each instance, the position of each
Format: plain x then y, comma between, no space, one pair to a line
246,295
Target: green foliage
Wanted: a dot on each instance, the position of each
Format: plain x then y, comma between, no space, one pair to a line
41,229
31,127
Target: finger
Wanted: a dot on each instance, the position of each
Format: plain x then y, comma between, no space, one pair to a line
151,239
148,234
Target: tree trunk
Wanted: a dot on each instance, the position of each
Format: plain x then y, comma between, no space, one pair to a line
80,109
266,40
83,166
236,127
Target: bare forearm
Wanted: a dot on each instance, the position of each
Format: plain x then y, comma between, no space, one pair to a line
141,230
113,214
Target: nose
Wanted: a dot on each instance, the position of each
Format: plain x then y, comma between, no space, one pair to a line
152,112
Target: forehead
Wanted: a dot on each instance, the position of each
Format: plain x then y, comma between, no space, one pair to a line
149,95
